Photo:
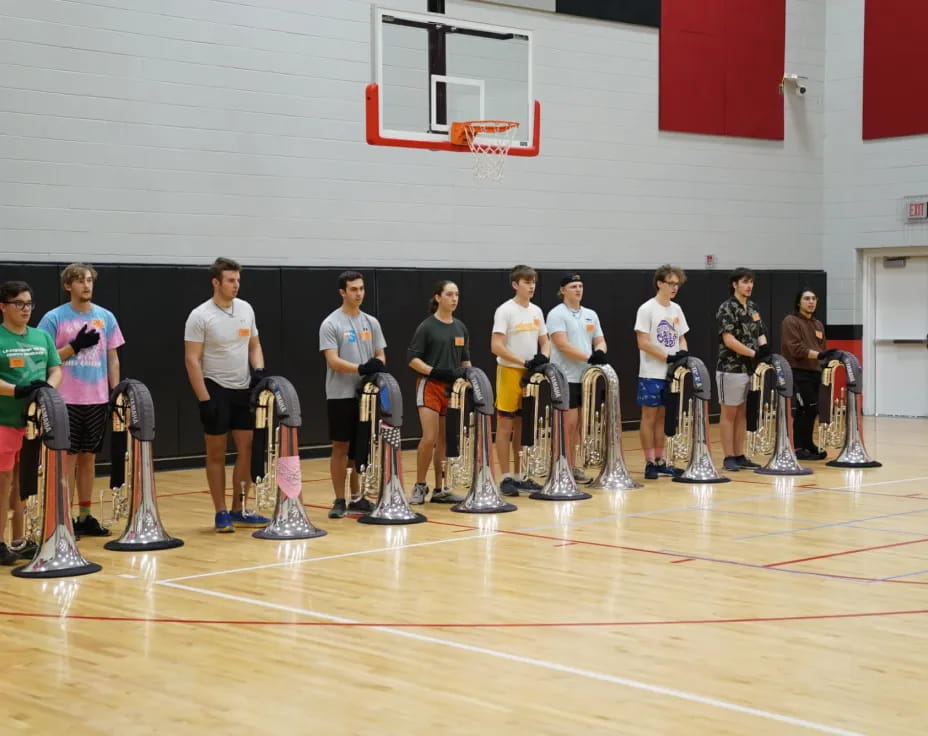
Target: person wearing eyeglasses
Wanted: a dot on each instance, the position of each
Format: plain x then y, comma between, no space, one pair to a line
28,360
660,328
87,336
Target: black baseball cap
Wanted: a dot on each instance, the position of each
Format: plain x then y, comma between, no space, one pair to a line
570,277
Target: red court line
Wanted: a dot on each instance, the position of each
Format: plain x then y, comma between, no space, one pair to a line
677,562
847,552
452,625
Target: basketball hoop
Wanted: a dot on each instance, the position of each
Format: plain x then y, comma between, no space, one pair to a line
489,141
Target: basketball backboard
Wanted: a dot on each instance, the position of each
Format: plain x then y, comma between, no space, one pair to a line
430,71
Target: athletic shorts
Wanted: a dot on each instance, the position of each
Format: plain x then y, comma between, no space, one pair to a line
733,387
575,394
509,389
88,426
232,409
651,392
344,415
432,395
11,442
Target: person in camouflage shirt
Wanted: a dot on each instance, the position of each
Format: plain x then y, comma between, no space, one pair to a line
742,342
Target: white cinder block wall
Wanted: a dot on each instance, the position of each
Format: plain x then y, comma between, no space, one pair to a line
865,181
178,130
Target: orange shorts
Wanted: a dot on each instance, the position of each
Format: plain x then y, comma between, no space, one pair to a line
11,442
432,395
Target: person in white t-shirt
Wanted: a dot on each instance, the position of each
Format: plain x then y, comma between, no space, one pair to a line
577,342
660,328
520,343
221,349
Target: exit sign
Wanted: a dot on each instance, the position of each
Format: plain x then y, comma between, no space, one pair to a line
916,209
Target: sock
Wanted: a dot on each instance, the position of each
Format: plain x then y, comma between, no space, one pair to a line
649,455
84,510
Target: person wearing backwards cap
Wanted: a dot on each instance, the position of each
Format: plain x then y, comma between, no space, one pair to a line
577,342
660,328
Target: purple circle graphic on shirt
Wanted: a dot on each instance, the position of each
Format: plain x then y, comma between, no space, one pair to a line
666,334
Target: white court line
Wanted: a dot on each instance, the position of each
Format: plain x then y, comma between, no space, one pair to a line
540,663
878,483
290,563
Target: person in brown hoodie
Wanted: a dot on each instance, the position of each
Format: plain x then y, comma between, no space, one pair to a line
802,343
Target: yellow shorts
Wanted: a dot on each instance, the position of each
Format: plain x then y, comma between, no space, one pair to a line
509,388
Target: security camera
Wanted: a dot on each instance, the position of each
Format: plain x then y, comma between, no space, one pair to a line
797,81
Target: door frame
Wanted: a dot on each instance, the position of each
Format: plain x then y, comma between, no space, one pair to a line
868,258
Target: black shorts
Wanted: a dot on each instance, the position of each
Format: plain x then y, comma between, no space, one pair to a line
88,426
344,415
575,393
232,410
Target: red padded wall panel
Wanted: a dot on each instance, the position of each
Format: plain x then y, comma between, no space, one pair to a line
722,60
895,57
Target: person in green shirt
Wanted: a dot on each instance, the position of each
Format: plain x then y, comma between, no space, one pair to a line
28,360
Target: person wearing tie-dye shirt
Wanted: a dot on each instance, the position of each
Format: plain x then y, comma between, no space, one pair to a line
86,336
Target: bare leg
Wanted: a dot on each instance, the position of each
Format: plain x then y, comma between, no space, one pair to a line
504,436
658,431
647,431
571,433
338,467
216,469
242,470
739,428
85,475
429,421
439,452
6,480
727,429
18,507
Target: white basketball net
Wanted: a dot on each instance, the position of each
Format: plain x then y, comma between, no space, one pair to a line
490,142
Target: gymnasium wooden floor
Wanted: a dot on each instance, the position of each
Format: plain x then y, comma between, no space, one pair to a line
761,606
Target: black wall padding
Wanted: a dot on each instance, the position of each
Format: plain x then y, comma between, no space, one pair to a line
152,302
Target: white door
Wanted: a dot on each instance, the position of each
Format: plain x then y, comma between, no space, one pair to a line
901,344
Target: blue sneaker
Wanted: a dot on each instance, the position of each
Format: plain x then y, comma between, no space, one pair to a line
224,522
248,519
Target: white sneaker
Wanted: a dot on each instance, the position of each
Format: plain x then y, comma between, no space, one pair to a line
419,493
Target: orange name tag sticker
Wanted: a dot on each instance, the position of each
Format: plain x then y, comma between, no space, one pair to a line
755,316
459,342
537,322
97,324
589,328
17,362
365,334
818,334
244,332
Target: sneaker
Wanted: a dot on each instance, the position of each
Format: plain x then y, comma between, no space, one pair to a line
509,487
90,527
665,469
650,472
248,519
224,522
419,492
25,548
362,505
745,463
527,484
7,556
339,509
444,496
581,478
731,464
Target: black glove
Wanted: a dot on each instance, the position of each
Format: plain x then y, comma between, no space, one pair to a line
84,339
827,355
679,355
762,353
535,363
258,375
448,376
21,392
598,358
208,412
374,365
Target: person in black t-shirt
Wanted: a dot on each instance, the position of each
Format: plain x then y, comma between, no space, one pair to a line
439,350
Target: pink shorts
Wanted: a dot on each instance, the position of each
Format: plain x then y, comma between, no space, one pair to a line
11,442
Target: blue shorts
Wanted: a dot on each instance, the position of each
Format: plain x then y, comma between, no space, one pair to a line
651,391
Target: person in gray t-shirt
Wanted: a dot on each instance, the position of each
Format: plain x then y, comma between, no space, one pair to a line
221,347
353,346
